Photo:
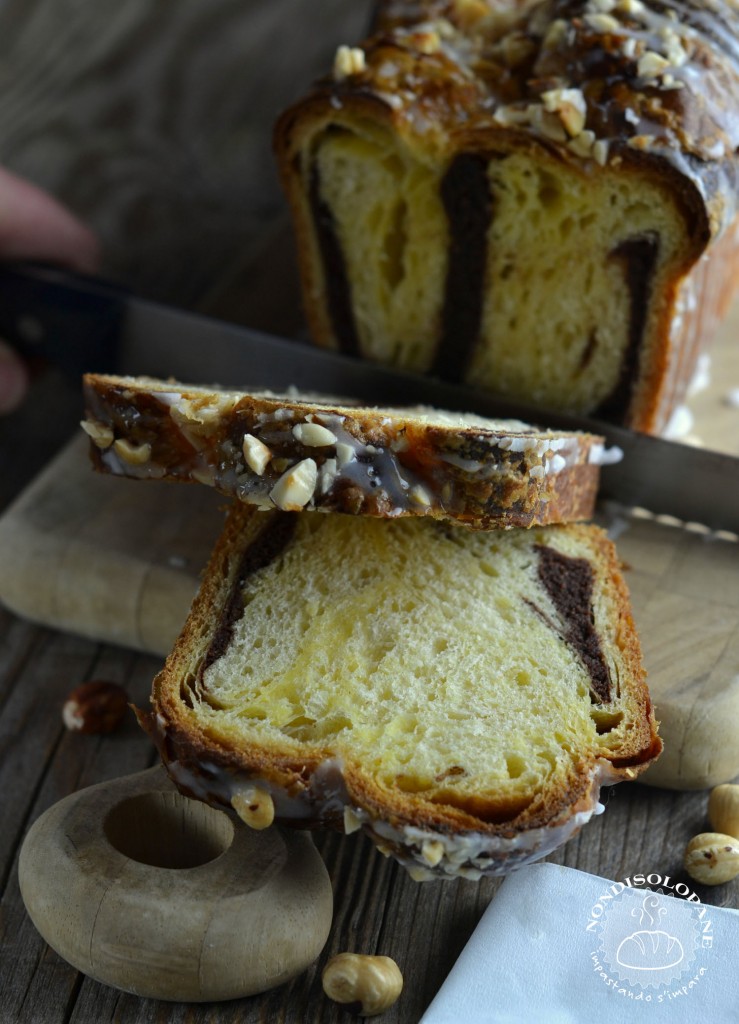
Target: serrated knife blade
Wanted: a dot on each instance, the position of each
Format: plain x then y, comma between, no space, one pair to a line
85,324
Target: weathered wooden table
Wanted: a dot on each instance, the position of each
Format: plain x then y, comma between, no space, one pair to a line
152,119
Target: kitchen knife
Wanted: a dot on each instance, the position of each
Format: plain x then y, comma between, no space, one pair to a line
86,324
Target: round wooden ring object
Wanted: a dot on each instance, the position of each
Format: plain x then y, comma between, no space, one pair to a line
166,897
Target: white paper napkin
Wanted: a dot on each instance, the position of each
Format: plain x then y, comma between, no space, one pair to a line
559,946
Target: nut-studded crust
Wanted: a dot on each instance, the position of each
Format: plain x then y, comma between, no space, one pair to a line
279,451
643,87
487,836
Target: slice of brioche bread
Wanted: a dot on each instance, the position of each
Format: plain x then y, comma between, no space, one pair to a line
291,453
458,695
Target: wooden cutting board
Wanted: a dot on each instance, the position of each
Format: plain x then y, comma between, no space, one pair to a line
119,561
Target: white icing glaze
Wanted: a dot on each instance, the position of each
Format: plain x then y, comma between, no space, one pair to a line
325,799
349,470
602,456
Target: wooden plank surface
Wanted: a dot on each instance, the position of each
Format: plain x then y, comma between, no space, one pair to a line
149,118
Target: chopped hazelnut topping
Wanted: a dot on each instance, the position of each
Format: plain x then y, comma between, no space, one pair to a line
600,152
295,487
512,115
548,124
133,454
633,8
582,144
202,476
326,476
515,48
445,28
420,496
426,42
651,65
432,850
570,106
344,454
676,54
641,141
420,874
669,82
349,60
100,434
205,411
351,821
313,435
555,34
469,11
254,806
602,23
256,453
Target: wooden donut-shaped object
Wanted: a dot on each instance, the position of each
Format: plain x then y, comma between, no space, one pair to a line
156,894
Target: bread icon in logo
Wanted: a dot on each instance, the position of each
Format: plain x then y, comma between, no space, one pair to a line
649,949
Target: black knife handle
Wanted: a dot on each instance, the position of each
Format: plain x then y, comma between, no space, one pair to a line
70,319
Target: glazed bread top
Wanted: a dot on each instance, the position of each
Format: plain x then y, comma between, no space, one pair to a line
413,672
293,453
655,83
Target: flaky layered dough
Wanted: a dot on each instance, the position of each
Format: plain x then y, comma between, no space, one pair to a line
519,196
460,696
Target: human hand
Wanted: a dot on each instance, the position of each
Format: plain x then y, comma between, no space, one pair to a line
33,226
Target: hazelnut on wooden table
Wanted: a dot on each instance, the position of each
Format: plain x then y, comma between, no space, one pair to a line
712,858
366,985
723,809
95,707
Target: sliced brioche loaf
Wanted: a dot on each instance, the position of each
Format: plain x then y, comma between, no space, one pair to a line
292,453
523,196
458,695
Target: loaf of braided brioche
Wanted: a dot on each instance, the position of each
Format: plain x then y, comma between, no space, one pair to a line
535,198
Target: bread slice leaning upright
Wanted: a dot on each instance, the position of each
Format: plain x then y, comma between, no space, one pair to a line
458,695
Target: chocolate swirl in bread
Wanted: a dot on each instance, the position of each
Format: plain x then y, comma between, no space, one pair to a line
519,196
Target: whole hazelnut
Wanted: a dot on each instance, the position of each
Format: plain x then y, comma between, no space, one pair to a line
712,858
723,809
366,985
95,707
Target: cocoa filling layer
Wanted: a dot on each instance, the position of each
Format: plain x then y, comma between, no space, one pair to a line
338,288
465,193
638,257
263,550
569,584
